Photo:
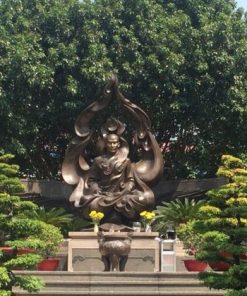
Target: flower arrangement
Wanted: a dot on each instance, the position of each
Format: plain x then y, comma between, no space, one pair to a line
96,217
147,219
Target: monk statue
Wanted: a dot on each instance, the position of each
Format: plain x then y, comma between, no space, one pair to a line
112,183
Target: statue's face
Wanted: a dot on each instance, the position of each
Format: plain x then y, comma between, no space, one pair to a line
112,143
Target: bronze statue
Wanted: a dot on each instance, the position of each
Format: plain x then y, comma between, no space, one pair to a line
112,183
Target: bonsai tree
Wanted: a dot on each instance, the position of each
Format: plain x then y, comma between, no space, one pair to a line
18,232
223,224
190,238
191,243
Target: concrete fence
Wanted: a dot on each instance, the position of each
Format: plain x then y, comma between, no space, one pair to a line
164,190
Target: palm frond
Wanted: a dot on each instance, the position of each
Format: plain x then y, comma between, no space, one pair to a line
176,212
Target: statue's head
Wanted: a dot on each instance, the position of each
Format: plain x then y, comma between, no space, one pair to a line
112,143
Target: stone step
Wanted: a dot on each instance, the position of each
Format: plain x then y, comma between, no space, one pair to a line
112,276
125,293
123,286
118,284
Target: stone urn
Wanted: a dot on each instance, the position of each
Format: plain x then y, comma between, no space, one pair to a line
114,248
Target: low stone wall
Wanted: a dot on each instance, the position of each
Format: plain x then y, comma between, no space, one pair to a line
48,189
169,190
164,190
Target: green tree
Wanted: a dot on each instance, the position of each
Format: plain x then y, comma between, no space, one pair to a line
18,233
223,225
184,62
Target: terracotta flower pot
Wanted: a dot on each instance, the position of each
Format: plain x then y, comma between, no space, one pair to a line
219,266
243,257
225,254
7,250
195,265
49,264
10,251
20,251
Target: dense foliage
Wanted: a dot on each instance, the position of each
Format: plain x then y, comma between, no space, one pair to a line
60,218
223,225
183,61
23,241
175,213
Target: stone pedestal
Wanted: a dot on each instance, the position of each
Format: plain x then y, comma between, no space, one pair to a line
84,255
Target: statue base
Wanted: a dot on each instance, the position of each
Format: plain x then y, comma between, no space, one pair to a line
84,254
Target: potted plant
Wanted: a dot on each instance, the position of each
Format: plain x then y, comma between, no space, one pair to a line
221,261
191,242
54,239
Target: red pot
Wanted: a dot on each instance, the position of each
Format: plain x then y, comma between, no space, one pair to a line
7,250
219,266
10,250
243,257
49,264
195,265
225,254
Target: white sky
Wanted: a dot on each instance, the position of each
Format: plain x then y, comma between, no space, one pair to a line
242,3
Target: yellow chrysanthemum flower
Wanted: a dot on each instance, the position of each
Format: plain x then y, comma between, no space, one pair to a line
143,213
96,216
147,216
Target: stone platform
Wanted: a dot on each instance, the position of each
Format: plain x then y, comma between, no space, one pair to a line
63,254
84,255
